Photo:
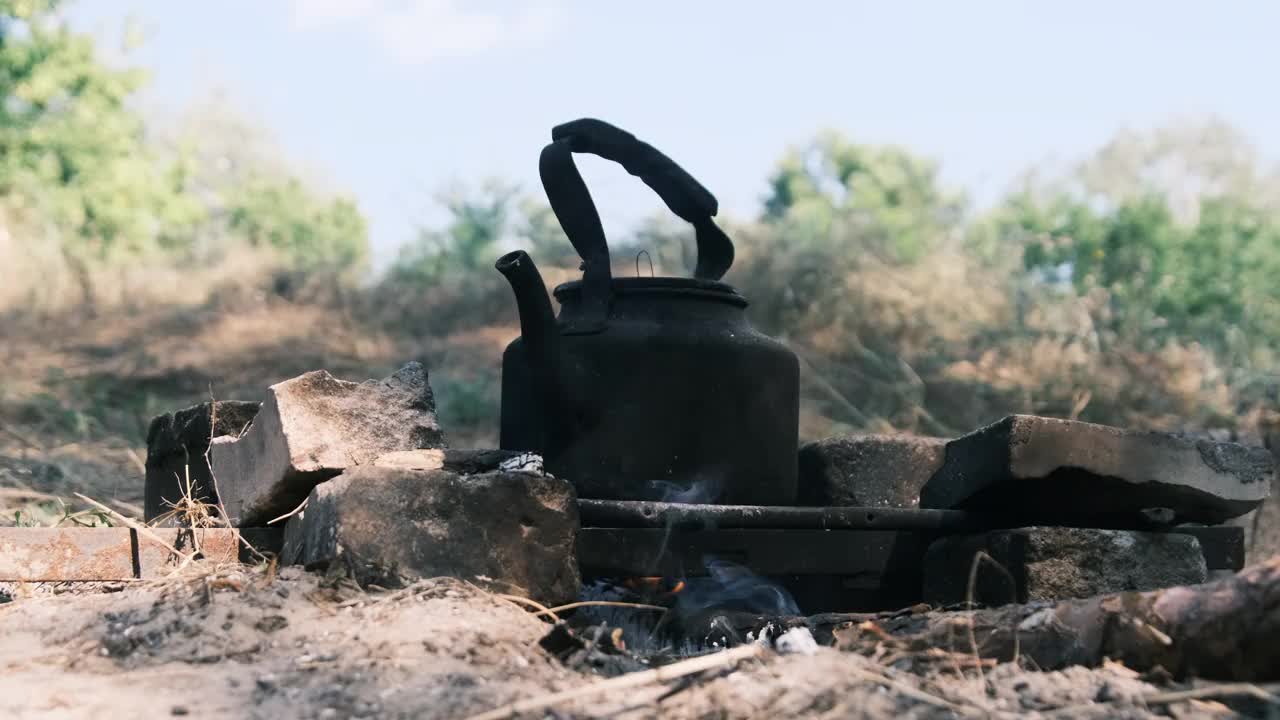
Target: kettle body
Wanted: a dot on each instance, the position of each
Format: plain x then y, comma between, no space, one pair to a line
646,388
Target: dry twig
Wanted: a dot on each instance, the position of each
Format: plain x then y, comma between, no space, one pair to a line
127,507
1213,691
978,558
598,603
542,609
140,528
666,673
301,506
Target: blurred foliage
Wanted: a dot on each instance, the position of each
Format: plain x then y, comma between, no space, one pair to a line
70,147
1108,296
883,201
468,244
1134,288
75,155
311,233
1182,237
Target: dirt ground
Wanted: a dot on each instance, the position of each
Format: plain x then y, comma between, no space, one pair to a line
241,642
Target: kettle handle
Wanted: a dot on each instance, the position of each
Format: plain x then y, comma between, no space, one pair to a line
572,204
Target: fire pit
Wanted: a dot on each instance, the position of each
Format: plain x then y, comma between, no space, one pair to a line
828,559
677,424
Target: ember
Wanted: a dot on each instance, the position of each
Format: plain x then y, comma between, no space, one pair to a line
654,587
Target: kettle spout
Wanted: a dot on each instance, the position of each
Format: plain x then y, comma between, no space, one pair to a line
537,320
538,329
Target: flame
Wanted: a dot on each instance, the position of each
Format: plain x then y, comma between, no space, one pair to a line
655,586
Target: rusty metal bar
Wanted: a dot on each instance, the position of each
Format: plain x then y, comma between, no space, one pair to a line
648,514
108,554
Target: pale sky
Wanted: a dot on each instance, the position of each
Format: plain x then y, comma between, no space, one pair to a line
394,99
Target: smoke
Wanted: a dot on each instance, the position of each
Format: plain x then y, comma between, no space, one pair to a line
705,489
727,585
732,587
701,614
705,615
726,607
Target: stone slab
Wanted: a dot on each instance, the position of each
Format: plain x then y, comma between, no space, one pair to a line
1051,563
176,447
312,428
868,470
103,554
1042,471
515,528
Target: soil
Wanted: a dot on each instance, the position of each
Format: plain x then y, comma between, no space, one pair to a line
245,642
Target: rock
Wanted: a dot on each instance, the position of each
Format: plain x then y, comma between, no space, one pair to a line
312,428
868,470
176,445
517,529
1049,563
1038,470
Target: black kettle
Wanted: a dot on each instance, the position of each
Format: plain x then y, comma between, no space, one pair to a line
645,388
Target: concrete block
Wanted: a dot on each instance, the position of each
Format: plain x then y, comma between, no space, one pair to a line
314,427
868,470
1052,563
516,528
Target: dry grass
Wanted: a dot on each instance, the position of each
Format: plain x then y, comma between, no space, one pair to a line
189,510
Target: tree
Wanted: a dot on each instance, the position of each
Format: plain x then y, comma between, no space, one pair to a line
468,244
1185,242
71,152
861,198
311,233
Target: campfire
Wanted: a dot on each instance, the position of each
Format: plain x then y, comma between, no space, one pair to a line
651,503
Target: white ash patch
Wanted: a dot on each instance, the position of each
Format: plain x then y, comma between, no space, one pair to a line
796,641
526,462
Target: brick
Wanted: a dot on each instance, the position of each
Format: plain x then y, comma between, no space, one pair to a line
112,554
312,428
516,528
868,470
1052,563
1044,471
